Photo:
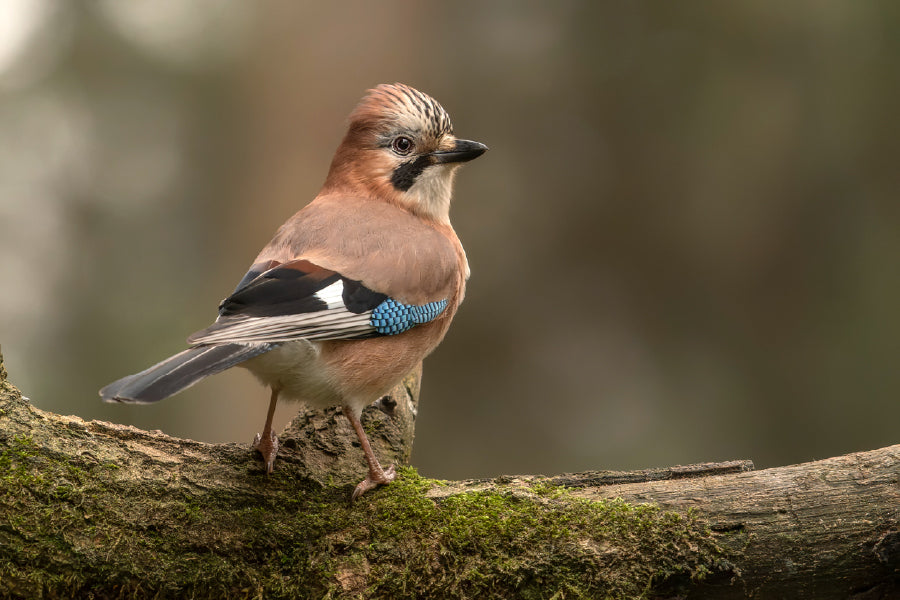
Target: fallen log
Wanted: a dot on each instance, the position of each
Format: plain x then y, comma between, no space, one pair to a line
93,509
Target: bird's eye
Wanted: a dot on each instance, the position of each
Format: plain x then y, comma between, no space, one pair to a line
402,145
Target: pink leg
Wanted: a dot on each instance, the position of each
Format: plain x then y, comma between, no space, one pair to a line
267,442
377,476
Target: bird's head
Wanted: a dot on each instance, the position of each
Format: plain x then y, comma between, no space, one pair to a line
400,147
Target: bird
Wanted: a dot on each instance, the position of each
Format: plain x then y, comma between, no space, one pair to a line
355,289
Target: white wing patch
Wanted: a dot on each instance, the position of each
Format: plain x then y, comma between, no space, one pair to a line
333,295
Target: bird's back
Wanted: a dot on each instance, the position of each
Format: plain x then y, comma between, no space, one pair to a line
381,245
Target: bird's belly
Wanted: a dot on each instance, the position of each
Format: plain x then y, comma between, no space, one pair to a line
297,370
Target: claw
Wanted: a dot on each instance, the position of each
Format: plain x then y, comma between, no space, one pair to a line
373,480
268,447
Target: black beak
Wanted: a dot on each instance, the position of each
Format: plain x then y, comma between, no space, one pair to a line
463,151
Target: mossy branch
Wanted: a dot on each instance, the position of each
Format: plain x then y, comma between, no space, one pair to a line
91,509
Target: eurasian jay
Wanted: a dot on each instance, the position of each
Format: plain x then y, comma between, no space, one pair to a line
355,289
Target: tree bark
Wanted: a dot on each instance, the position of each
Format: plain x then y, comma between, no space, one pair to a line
92,509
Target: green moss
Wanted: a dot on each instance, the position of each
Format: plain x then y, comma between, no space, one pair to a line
539,543
77,530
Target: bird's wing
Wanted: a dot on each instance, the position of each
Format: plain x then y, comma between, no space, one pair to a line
279,302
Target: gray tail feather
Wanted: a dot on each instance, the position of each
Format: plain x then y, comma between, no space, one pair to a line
179,372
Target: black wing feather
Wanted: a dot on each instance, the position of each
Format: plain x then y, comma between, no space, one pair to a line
285,289
358,298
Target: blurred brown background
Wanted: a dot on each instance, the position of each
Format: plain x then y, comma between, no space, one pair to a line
684,240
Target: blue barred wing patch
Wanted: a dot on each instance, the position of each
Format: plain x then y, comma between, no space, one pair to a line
391,317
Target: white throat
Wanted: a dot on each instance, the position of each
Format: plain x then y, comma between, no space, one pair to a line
431,192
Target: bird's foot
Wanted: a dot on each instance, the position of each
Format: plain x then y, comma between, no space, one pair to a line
375,478
268,447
